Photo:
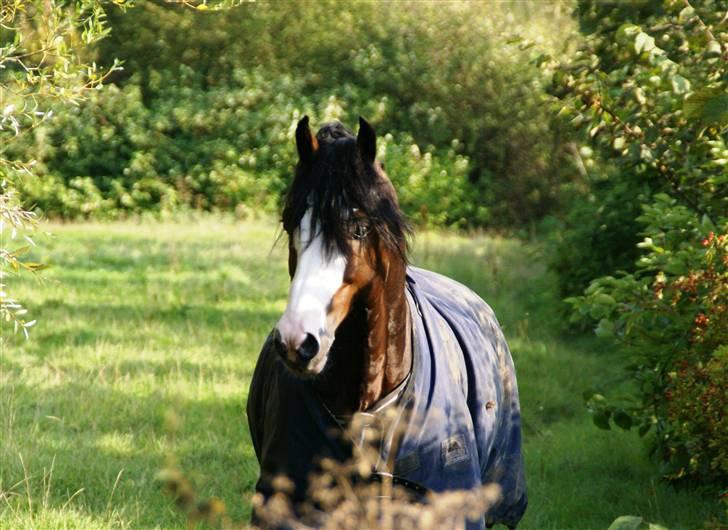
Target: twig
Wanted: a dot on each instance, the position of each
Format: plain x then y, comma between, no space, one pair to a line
662,167
625,126
700,21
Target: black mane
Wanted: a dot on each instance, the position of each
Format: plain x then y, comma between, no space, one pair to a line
337,181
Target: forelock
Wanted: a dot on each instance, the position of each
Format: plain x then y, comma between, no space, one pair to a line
334,184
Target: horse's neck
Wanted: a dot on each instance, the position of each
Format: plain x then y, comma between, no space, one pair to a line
370,356
387,359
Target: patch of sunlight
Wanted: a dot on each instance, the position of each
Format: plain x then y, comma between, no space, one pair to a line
116,443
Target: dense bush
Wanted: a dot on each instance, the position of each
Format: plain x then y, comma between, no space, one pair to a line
672,314
649,91
205,107
599,233
227,148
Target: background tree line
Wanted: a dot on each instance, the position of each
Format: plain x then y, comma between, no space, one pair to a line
201,115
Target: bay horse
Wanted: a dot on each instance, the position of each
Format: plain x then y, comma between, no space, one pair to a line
364,332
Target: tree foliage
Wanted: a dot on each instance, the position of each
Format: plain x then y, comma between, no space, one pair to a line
646,92
42,65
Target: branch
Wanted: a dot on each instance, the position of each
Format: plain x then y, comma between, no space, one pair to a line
662,167
700,21
597,102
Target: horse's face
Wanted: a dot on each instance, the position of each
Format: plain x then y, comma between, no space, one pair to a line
323,287
339,216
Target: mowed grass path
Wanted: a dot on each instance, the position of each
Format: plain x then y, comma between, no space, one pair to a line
142,322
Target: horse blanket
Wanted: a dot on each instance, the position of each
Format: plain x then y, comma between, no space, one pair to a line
462,422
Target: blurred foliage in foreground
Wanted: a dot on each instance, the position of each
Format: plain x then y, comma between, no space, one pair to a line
648,89
203,114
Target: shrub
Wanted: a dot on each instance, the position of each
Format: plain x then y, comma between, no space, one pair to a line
645,92
672,316
599,234
648,92
223,148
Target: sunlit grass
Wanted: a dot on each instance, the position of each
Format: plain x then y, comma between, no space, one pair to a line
140,320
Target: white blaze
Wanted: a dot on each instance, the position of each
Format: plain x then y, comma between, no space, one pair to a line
317,278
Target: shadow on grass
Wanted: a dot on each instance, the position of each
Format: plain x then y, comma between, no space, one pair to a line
157,284
122,324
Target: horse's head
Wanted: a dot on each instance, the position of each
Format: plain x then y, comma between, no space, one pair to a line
346,239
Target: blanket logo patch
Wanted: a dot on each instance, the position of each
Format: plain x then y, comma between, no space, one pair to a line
453,450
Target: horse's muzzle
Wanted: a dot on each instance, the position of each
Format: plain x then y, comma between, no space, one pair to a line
296,356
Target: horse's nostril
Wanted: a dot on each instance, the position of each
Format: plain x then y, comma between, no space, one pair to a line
278,344
308,348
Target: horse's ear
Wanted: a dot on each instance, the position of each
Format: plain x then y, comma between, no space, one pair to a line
366,139
306,142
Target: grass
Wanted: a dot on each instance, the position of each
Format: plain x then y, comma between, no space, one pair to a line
140,324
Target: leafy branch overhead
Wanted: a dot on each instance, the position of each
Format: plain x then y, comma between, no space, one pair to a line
44,64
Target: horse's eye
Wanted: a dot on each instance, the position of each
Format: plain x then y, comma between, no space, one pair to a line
360,230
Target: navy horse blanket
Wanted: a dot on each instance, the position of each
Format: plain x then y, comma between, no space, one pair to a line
460,413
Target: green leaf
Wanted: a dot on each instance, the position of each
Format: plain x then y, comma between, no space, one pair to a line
604,299
713,49
646,153
622,419
686,14
707,224
20,251
707,105
605,328
626,522
643,42
680,85
626,33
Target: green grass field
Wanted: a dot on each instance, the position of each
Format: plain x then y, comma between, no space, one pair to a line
141,322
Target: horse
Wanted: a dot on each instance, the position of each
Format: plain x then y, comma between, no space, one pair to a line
365,332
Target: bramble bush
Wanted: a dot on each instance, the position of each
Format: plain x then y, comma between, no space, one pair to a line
648,90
